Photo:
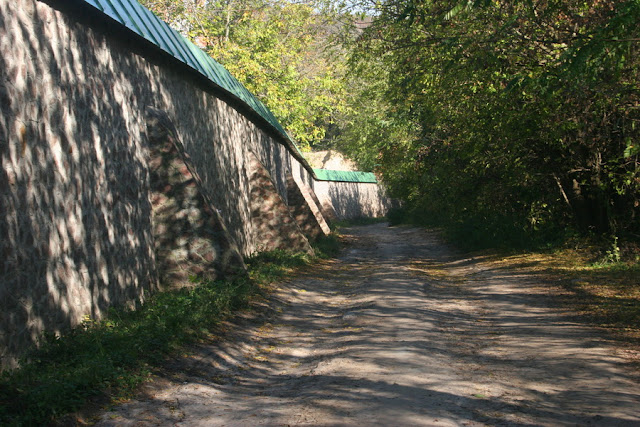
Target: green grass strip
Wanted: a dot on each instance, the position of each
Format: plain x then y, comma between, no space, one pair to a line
112,357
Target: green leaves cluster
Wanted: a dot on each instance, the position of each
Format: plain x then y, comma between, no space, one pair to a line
504,120
286,53
282,54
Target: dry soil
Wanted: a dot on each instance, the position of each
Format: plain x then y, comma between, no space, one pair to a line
399,331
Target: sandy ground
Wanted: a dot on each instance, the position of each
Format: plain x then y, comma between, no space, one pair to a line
398,332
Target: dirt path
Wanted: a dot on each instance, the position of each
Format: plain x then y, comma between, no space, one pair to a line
398,331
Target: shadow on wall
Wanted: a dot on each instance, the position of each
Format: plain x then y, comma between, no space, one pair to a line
271,220
354,200
276,160
76,233
75,218
304,209
214,135
190,238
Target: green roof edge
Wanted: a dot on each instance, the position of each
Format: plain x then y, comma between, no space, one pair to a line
146,25
345,176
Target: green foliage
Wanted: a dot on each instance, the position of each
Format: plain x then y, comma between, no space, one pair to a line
113,356
612,255
279,54
269,267
286,53
327,246
397,216
503,122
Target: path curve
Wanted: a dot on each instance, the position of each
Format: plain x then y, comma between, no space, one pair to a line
398,331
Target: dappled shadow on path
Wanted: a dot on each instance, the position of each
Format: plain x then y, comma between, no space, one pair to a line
400,332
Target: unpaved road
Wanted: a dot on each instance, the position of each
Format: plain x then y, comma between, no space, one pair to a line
398,332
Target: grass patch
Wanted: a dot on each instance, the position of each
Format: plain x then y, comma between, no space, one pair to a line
109,359
328,246
357,221
606,293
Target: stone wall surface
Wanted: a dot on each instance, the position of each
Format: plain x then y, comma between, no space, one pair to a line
351,200
190,237
119,173
330,159
272,224
76,218
304,209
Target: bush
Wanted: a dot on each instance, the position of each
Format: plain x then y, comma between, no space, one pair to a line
397,216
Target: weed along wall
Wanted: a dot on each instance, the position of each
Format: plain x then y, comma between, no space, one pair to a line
130,162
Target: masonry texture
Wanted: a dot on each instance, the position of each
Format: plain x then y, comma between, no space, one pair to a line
304,208
190,237
121,174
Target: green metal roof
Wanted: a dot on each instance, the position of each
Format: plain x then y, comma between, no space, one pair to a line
345,176
143,22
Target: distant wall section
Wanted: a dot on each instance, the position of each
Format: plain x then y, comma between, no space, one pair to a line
351,200
92,197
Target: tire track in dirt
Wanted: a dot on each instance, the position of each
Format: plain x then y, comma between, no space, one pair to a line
397,331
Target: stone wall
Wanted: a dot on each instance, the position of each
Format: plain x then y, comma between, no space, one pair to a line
272,224
122,172
190,237
341,200
95,204
351,200
303,207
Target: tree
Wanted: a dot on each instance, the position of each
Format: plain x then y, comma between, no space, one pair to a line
285,53
520,117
